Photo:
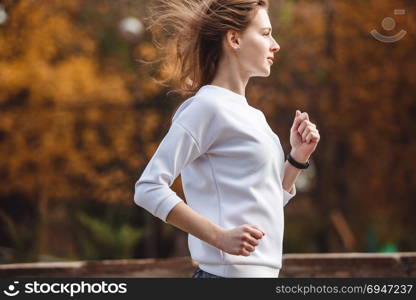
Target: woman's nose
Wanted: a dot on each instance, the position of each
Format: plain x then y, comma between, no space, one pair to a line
276,47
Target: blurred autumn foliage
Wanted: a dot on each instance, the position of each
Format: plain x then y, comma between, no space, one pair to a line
80,118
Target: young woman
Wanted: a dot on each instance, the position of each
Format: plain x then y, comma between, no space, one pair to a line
234,175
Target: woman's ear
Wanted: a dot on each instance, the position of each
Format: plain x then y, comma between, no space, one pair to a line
233,39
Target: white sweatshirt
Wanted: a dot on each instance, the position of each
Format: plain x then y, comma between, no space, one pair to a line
232,165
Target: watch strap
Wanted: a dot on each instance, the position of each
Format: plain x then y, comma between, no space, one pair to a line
297,164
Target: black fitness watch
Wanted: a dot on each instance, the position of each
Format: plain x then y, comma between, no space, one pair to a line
295,163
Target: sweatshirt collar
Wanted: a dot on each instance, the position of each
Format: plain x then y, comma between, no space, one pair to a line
225,91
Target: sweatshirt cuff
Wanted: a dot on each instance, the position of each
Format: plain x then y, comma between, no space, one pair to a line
166,206
287,196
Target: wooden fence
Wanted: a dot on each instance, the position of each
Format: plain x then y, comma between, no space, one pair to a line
401,264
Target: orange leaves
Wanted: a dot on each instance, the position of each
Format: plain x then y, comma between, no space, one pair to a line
146,51
44,50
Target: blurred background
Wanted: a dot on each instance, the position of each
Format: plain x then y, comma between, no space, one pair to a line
80,118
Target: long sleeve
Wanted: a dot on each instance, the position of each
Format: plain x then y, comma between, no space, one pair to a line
152,190
190,135
287,196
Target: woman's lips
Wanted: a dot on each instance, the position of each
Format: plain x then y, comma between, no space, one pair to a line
270,60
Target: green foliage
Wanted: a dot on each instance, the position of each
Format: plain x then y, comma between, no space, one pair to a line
24,243
105,238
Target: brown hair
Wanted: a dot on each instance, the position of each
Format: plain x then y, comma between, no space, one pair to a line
190,32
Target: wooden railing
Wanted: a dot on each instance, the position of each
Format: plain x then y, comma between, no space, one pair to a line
401,264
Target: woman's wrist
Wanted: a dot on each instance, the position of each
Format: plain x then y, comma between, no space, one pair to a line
299,157
219,235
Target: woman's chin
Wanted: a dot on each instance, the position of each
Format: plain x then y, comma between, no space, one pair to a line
263,73
266,74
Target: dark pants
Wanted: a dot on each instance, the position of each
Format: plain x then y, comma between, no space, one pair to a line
202,274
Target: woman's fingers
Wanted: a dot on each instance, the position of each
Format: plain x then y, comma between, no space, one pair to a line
252,241
246,249
304,124
257,227
305,128
244,252
255,231
296,122
305,133
313,136
249,247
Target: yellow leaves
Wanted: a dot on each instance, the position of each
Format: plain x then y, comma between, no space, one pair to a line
74,80
70,158
77,81
136,162
94,115
150,149
90,138
112,187
149,88
121,145
43,28
146,51
149,122
13,76
45,51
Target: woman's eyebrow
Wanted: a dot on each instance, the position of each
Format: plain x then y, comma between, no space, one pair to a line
266,28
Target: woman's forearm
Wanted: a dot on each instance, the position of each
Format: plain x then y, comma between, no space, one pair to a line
291,173
185,218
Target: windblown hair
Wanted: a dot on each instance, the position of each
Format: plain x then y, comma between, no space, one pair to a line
189,34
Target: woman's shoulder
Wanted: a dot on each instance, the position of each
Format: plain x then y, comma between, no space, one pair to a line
197,106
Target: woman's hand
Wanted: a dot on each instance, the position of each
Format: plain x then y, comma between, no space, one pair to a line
304,137
241,240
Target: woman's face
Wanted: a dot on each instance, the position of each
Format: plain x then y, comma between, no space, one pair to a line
256,45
